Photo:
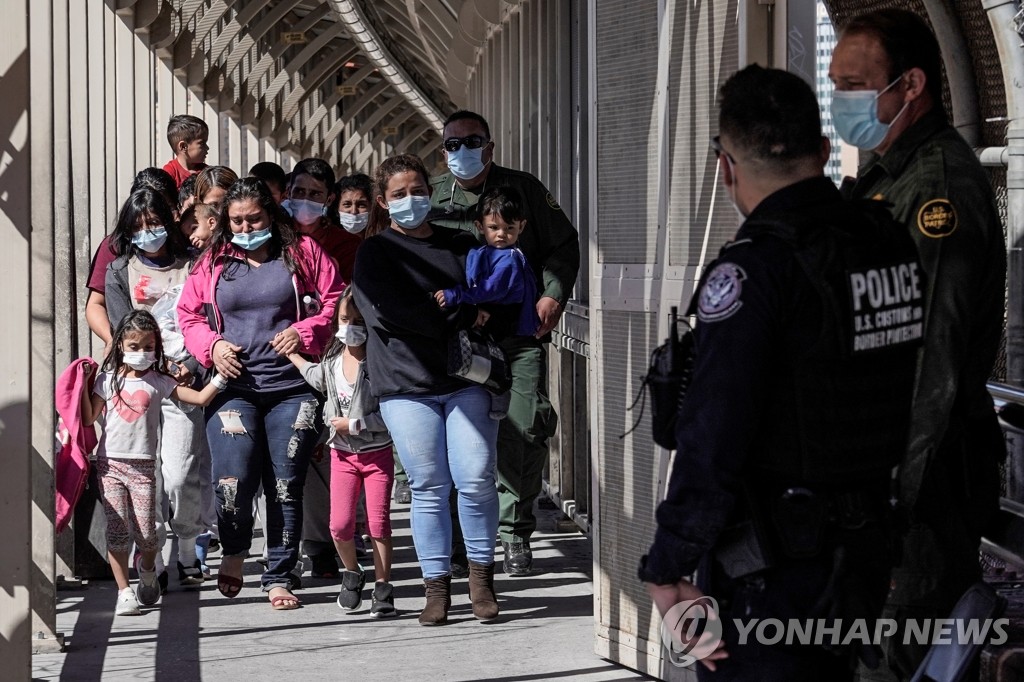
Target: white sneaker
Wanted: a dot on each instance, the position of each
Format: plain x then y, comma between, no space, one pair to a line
127,604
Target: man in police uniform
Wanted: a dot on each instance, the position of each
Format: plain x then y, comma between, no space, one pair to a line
798,406
551,246
948,483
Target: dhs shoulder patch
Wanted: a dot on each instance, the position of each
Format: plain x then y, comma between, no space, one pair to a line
937,218
720,296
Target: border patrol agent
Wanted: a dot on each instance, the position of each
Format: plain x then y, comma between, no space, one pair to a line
887,71
799,403
551,246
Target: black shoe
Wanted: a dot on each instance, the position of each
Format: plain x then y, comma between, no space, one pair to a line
403,494
191,575
325,565
383,601
162,581
518,558
351,594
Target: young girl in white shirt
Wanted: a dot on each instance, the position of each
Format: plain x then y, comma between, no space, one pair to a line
128,391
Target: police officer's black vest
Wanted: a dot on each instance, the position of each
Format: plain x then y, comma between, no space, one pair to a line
840,409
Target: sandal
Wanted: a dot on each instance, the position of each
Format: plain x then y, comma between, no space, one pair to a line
284,602
229,585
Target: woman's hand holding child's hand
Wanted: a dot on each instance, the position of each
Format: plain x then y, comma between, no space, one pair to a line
225,359
340,424
286,341
439,297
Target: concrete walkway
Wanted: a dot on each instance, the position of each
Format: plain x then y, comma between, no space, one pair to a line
545,630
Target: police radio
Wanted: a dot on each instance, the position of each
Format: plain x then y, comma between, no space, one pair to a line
668,376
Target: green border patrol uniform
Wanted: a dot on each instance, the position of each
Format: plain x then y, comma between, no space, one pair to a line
551,245
949,480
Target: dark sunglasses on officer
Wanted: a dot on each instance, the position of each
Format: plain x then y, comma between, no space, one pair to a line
716,147
453,144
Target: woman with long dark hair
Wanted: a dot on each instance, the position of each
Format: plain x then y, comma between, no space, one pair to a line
259,292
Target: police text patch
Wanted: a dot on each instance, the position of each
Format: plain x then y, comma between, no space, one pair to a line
552,203
937,218
887,304
720,297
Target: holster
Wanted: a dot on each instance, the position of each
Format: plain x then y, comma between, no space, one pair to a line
740,551
799,519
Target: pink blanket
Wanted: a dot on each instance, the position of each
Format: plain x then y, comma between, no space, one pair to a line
74,439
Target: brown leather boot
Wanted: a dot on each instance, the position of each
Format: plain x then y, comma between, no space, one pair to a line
439,600
481,591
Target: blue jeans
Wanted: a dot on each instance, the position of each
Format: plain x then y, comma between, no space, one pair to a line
446,440
268,438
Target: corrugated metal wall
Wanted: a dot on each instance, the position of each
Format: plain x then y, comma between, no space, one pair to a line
658,70
705,53
627,131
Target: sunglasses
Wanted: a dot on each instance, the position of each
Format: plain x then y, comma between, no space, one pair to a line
453,144
716,147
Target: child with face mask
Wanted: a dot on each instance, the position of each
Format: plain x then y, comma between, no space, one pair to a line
129,391
153,266
360,452
497,274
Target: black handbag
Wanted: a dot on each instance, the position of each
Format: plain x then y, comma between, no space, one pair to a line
474,356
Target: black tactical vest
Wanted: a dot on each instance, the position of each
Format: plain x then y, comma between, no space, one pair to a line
840,410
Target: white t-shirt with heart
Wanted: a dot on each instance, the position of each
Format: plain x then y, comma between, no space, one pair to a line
131,429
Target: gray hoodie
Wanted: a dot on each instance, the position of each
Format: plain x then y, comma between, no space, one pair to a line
370,431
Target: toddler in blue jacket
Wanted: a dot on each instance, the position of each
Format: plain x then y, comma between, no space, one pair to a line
497,273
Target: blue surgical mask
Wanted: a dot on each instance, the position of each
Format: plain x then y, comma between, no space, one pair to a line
150,239
250,241
466,163
305,212
354,223
855,116
410,211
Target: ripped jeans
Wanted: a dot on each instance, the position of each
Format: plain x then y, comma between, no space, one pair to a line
268,438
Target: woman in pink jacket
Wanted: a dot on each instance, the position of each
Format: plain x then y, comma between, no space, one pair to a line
259,292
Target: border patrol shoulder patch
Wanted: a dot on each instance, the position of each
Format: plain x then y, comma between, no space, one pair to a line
937,218
720,295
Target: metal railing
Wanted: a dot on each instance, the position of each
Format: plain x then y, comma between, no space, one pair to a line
1005,539
568,474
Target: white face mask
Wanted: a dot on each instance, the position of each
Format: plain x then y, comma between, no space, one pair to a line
139,360
354,223
351,334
